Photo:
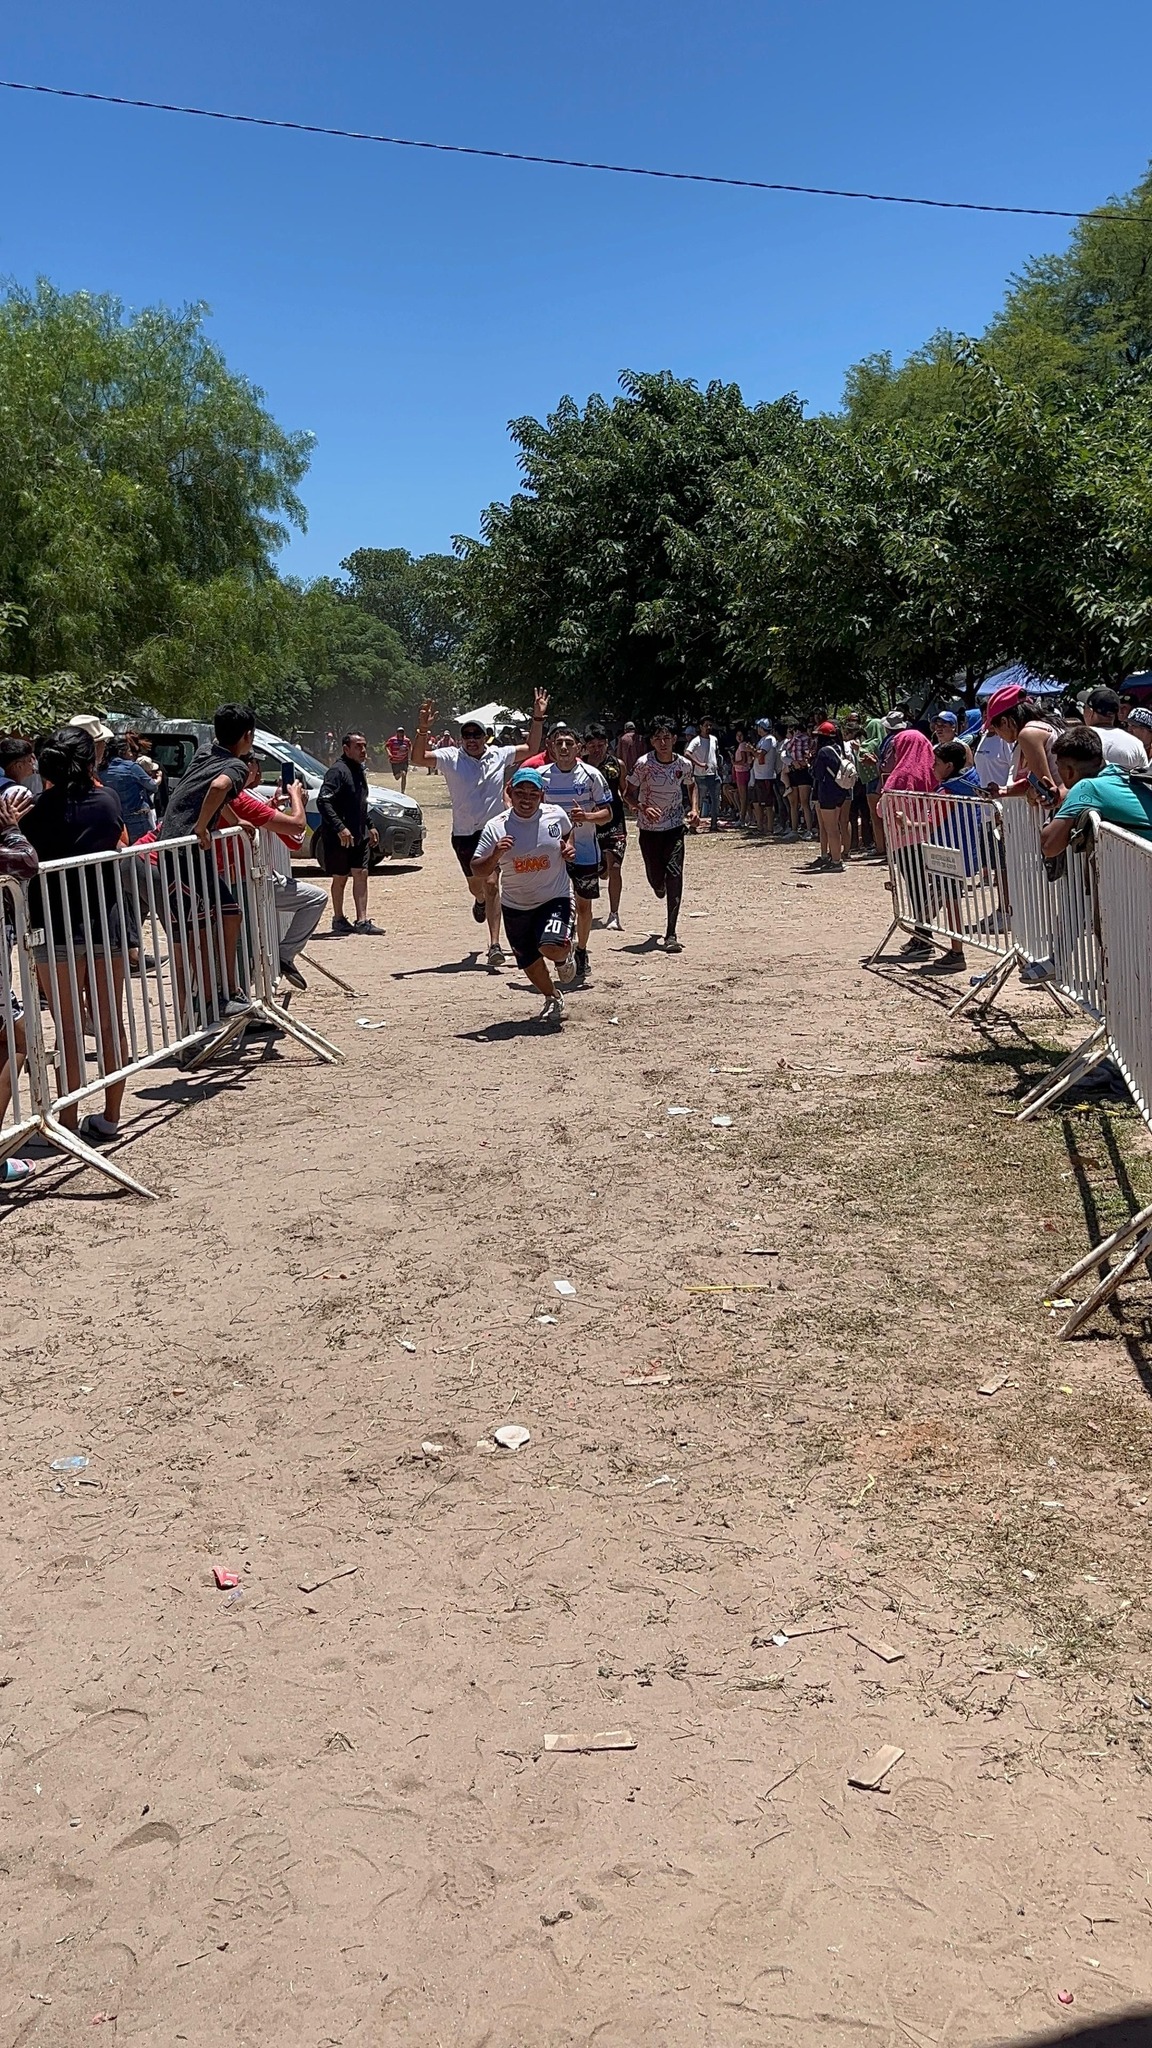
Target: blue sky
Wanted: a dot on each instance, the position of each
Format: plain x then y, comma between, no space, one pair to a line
404,306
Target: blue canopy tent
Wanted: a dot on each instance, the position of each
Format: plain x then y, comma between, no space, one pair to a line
1035,686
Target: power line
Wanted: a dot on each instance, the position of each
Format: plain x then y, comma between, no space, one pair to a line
564,163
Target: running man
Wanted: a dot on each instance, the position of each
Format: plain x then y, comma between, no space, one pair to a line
582,792
659,780
532,843
400,755
475,774
613,836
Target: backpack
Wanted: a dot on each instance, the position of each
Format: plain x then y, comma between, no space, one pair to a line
845,776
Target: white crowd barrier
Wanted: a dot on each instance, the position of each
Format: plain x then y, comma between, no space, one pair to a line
1079,927
116,962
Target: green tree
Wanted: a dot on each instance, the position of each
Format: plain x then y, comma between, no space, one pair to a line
136,471
604,579
422,598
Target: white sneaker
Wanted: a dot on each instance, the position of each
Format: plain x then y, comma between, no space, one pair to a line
495,958
553,1011
614,925
566,972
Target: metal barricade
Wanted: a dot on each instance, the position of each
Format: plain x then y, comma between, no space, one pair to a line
154,952
945,869
1054,927
18,995
1124,877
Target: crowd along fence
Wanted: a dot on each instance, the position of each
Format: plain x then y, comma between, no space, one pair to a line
121,961
1078,926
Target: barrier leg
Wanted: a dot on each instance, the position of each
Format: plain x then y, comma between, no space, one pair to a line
1138,1227
1065,1076
895,926
274,1013
988,987
327,972
219,1042
68,1141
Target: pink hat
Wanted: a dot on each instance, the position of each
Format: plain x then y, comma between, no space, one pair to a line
1002,700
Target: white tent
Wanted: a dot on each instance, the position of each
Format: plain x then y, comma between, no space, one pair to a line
492,717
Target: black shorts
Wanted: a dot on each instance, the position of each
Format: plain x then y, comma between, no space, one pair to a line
663,855
613,846
192,891
464,845
546,924
585,880
799,778
340,860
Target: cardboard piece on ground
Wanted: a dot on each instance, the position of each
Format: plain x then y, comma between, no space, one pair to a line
869,1775
878,1649
576,1745
993,1386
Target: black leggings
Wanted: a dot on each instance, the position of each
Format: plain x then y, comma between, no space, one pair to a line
663,857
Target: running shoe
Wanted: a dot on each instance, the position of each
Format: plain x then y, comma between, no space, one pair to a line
834,867
614,925
566,972
553,1011
367,929
914,948
580,978
495,958
949,963
478,910
672,944
342,927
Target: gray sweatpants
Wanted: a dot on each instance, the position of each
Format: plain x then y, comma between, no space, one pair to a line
299,907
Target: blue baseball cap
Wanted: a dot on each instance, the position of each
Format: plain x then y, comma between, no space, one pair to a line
531,776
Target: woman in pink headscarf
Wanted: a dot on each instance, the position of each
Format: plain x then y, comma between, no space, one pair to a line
910,767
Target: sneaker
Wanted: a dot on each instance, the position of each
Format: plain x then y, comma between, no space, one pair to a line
237,1006
614,925
834,867
342,927
912,947
580,978
495,958
367,930
479,911
672,944
948,963
96,1130
292,975
566,972
553,1011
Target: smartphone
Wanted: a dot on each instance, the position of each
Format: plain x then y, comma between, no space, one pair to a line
287,775
1042,790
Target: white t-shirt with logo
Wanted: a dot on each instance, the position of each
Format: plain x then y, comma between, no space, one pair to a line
703,754
532,869
585,787
475,785
659,786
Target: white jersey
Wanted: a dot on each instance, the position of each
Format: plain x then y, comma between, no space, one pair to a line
659,786
585,787
532,869
475,784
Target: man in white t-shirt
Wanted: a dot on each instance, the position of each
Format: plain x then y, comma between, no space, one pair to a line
530,845
582,792
1122,749
476,774
656,790
704,755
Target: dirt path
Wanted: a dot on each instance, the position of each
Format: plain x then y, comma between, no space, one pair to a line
316,1817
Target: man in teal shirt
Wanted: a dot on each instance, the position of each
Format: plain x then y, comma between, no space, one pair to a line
1093,784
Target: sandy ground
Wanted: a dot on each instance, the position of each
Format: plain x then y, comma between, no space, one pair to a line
310,1817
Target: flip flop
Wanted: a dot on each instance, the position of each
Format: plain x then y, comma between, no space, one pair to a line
15,1172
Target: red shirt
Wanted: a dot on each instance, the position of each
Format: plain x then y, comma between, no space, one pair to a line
252,810
398,749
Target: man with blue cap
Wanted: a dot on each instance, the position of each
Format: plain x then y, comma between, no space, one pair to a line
529,846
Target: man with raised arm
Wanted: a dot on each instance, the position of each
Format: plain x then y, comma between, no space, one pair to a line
476,774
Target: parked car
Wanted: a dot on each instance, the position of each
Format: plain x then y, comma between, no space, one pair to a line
398,820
